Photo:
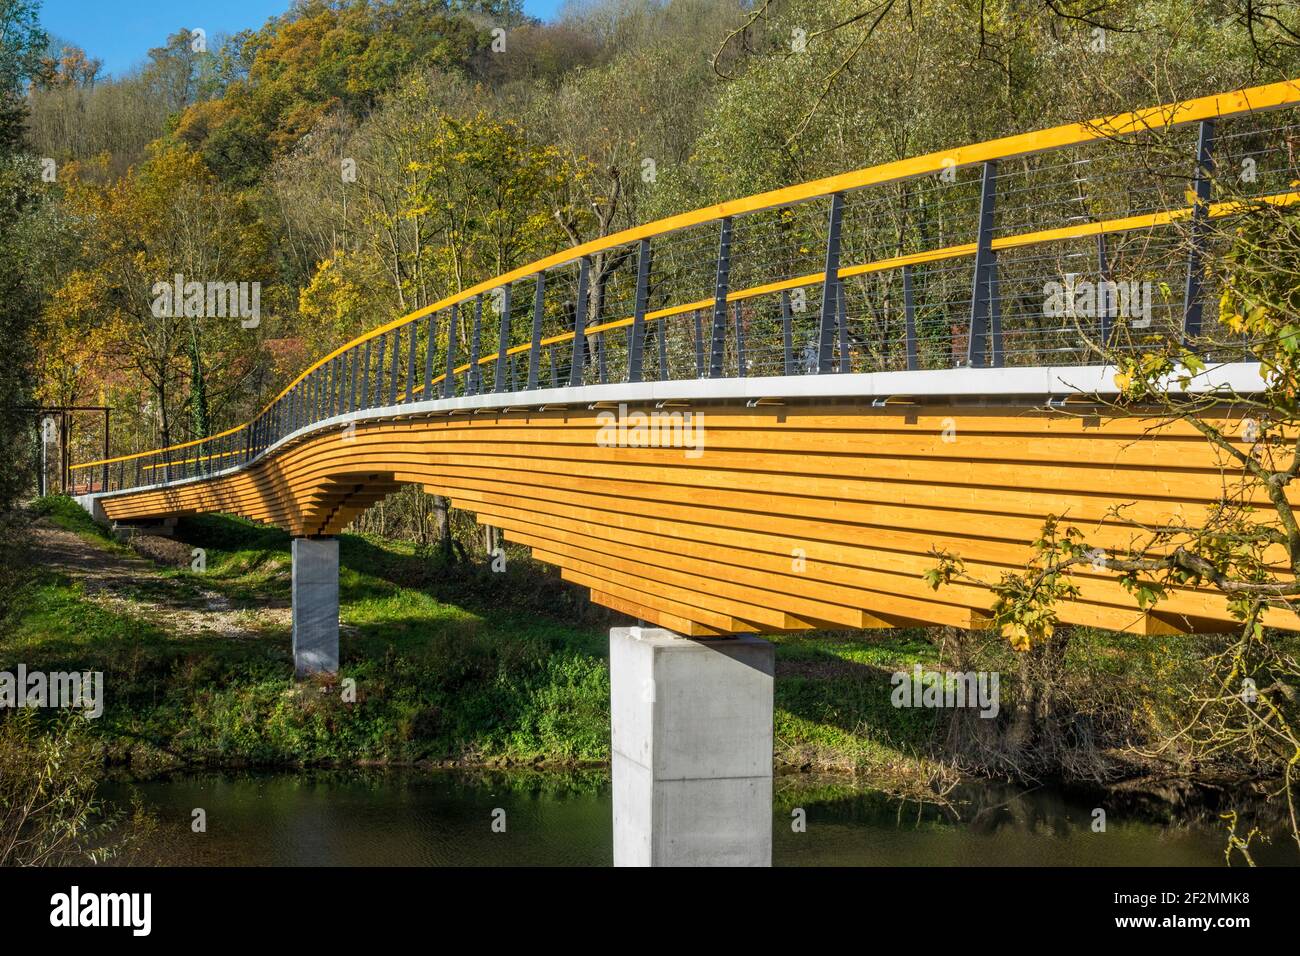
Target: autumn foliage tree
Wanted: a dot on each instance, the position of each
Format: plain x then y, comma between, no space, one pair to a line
169,217
320,57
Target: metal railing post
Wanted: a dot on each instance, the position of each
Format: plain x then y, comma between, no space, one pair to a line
340,383
535,348
576,367
636,345
740,341
449,382
1193,292
381,347
339,388
981,283
787,333
504,368
1103,292
105,448
409,395
909,319
475,344
430,346
365,378
718,339
830,283
396,366
353,360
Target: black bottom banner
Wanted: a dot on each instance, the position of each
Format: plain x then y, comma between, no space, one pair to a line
337,904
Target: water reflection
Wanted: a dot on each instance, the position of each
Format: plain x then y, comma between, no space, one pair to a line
445,819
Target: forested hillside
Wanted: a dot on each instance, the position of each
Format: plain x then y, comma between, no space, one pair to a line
361,159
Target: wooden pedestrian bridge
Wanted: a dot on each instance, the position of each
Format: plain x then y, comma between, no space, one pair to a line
765,415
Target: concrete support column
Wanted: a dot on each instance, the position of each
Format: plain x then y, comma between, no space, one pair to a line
691,727
315,605
95,507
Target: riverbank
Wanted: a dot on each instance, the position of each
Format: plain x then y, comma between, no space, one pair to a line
451,665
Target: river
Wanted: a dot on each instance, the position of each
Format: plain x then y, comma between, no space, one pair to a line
446,818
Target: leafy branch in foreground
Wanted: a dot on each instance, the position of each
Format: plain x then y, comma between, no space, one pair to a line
1024,609
1245,545
48,812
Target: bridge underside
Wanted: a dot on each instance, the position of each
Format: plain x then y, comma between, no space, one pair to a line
790,517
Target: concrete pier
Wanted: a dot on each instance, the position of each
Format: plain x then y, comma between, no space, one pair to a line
691,725
95,508
315,605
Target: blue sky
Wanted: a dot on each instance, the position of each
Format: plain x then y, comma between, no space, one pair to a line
121,32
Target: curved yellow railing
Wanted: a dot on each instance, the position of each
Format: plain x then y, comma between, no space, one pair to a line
1209,108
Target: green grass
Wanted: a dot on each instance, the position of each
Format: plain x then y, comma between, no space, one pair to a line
62,512
832,701
434,681
449,663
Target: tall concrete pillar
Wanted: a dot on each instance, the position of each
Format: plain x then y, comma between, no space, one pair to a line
691,726
315,605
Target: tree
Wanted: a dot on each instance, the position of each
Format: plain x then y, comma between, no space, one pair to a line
21,222
69,67
621,124
1246,546
176,70
318,58
834,39
196,366
22,42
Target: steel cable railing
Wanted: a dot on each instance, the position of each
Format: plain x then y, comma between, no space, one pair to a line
1028,250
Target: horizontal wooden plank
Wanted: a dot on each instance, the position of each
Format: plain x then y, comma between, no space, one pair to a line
709,546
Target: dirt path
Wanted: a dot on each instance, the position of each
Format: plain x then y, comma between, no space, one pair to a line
128,583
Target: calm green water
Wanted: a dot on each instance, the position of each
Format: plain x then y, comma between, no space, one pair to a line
445,819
